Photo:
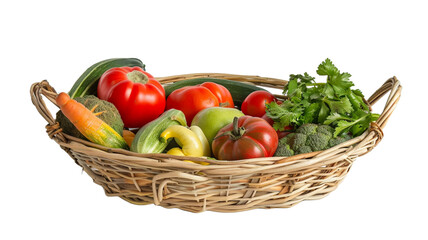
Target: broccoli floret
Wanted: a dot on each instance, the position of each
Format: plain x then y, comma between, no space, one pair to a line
309,137
325,129
307,129
304,149
318,141
338,140
285,150
297,140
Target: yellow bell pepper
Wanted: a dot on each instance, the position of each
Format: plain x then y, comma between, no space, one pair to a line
205,144
175,151
191,145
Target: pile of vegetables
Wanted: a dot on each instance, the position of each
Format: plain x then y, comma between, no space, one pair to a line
117,104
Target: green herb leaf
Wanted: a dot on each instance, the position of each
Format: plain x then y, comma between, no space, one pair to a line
341,105
356,125
311,112
335,117
291,87
357,101
328,91
327,68
324,112
283,115
341,83
343,126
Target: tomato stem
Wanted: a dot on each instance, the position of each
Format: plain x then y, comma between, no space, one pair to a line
224,104
137,77
237,132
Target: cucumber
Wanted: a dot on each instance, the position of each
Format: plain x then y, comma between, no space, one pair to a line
238,90
88,81
147,139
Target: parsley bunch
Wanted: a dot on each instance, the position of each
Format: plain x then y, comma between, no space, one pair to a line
332,103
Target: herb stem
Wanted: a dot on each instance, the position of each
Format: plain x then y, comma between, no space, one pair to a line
315,84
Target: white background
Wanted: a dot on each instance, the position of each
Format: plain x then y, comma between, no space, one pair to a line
45,195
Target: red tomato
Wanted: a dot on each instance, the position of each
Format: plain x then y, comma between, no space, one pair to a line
192,99
247,137
138,97
222,94
255,103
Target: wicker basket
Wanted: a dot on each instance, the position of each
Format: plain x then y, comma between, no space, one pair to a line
221,186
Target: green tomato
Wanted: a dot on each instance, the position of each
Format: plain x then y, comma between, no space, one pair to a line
212,119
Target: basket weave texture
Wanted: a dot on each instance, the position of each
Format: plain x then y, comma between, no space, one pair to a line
221,186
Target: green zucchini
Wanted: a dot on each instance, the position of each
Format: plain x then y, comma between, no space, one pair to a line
238,90
88,81
147,139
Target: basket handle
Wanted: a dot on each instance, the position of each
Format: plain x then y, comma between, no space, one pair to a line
394,86
37,91
167,178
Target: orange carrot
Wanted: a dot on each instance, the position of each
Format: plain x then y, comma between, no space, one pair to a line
93,128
